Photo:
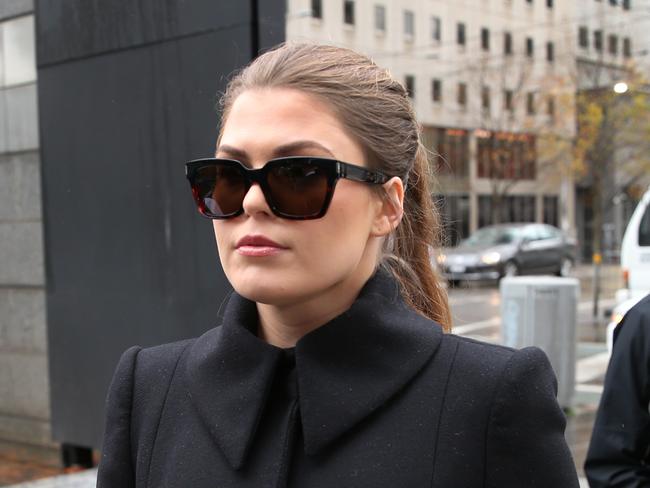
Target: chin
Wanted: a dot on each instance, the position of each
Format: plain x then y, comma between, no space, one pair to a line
269,288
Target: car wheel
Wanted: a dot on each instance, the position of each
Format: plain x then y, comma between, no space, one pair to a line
510,269
454,283
566,266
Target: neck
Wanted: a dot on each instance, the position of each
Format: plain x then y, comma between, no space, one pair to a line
284,325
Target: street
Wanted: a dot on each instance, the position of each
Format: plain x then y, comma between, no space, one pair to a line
476,313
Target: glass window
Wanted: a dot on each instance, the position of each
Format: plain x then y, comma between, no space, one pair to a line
644,228
612,44
551,210
462,94
583,37
436,90
627,47
316,9
507,100
598,40
454,213
485,39
507,43
409,24
380,18
19,63
485,98
550,52
348,12
460,34
530,47
530,103
409,83
436,28
449,150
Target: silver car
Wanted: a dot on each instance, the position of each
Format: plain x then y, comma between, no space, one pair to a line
508,250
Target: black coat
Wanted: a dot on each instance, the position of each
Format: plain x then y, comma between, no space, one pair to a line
619,452
378,397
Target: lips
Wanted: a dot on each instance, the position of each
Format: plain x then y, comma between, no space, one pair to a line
258,246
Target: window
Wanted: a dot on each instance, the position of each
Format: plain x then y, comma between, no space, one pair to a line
509,208
454,215
436,29
626,4
508,100
627,47
462,94
380,18
436,90
550,52
644,228
348,12
598,40
530,47
409,24
613,2
612,44
316,9
507,43
549,3
485,98
485,39
530,103
460,34
17,41
551,205
583,37
409,83
505,156
550,106
449,148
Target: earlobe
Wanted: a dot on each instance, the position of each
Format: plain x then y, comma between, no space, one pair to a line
392,208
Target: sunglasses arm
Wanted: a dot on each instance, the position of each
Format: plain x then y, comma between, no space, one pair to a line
357,173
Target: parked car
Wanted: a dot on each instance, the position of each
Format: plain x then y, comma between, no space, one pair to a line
635,264
508,250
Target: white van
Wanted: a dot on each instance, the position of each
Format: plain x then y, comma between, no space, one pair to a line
635,264
635,251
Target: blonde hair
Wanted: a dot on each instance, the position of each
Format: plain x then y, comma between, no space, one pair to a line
379,114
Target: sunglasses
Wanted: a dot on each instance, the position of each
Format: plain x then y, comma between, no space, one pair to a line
297,187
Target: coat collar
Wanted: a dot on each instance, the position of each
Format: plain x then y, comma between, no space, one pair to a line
346,368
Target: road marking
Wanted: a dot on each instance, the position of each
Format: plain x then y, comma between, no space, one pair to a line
472,326
589,388
591,367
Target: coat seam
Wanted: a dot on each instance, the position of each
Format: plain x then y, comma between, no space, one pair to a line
440,415
497,390
134,453
162,409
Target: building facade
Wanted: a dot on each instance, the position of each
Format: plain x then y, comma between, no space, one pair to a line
493,82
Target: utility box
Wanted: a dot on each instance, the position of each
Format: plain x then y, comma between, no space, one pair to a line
542,311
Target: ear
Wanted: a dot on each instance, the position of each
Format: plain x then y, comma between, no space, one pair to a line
390,212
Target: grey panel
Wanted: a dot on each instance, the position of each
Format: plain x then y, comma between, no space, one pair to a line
23,385
21,254
3,122
22,321
22,118
20,186
271,30
129,259
14,8
77,28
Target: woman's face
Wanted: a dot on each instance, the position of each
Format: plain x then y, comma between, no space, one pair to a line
309,257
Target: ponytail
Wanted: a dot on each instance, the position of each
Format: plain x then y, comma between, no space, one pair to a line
410,259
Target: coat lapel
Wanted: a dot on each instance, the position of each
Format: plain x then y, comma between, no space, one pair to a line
346,369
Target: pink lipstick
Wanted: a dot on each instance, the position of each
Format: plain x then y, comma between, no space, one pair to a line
258,246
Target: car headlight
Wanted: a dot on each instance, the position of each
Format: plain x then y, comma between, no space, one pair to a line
491,258
441,259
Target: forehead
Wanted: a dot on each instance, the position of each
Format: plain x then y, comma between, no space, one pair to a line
262,119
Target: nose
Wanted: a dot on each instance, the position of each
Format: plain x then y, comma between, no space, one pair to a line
255,202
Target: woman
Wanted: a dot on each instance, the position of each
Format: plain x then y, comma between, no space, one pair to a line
331,367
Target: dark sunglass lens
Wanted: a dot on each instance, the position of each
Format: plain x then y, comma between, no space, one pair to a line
298,188
219,189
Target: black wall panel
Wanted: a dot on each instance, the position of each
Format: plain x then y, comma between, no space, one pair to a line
128,259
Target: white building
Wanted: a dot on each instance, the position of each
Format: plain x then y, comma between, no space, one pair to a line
487,76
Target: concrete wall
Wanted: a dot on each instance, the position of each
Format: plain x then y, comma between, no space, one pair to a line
24,385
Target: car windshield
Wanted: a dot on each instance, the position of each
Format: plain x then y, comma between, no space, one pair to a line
492,236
